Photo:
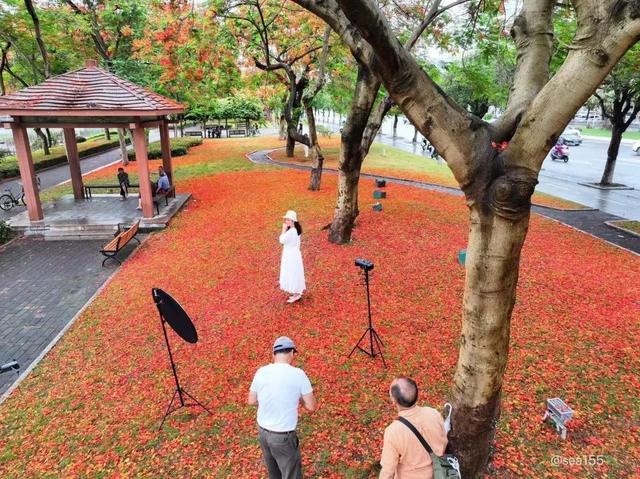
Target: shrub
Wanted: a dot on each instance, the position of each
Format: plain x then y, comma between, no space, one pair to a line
179,147
5,232
80,139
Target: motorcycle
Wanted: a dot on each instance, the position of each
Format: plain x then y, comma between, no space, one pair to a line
560,152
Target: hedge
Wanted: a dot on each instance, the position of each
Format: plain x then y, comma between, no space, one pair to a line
179,147
9,165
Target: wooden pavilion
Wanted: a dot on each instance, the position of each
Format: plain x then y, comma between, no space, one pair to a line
87,98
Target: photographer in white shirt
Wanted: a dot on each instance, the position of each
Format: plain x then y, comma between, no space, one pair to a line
277,389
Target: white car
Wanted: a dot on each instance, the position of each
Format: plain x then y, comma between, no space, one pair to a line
571,136
636,147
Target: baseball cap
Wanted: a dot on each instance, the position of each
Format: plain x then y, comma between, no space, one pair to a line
283,342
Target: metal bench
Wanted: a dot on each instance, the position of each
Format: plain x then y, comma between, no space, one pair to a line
121,239
194,133
88,194
237,132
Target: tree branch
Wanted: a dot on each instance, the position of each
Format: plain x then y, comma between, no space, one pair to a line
38,34
532,33
600,43
452,130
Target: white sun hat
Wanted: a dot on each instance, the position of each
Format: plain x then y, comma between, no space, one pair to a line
291,215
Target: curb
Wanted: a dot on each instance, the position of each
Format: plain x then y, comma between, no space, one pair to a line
620,228
607,188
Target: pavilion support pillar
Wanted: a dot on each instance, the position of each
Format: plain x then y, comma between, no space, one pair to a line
71,148
165,145
27,172
142,160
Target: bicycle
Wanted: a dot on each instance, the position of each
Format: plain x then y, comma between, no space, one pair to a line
8,200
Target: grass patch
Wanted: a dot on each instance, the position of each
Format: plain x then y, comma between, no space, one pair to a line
629,225
604,133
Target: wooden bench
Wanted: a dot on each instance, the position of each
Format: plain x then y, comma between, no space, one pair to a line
194,133
88,194
238,132
171,193
120,240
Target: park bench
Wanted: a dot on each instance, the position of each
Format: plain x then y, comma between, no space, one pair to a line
88,194
194,133
238,132
171,193
120,240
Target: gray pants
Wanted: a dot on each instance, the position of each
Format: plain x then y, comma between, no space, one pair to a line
281,454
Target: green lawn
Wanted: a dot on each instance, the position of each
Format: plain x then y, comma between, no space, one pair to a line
633,226
604,133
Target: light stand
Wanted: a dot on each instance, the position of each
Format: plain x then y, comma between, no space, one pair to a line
375,343
171,312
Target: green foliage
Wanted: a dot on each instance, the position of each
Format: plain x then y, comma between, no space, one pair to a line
9,165
5,232
236,107
179,147
482,74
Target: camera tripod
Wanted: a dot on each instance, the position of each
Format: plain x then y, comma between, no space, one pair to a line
375,343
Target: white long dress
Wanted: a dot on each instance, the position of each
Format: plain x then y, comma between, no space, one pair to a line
291,268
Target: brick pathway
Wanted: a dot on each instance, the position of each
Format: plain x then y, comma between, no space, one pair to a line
43,284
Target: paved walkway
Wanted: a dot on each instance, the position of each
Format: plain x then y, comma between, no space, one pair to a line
43,285
587,221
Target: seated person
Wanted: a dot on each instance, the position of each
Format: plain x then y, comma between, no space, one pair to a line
163,182
161,187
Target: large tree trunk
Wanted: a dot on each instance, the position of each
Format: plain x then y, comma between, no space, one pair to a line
49,137
415,135
612,154
316,153
43,139
291,144
356,139
395,125
107,134
347,203
123,147
492,265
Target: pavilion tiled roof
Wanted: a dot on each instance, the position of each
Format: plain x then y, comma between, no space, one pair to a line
90,91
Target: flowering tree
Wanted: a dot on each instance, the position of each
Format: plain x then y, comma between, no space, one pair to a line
497,183
288,42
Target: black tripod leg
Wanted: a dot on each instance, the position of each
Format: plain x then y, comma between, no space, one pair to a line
196,401
166,414
358,343
379,343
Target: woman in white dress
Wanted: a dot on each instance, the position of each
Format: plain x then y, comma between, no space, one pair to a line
291,268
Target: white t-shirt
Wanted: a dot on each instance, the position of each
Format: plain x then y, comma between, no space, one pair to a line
279,387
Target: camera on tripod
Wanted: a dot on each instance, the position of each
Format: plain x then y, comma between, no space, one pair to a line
364,264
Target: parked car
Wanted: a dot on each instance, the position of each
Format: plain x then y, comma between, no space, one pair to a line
636,147
571,136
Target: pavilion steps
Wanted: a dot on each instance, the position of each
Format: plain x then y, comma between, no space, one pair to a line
60,232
